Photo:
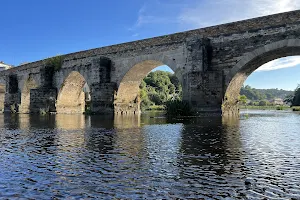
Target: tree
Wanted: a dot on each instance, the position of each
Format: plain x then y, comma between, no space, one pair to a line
296,99
289,99
262,103
263,94
243,99
159,87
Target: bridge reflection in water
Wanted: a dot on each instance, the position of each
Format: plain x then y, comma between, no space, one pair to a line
141,156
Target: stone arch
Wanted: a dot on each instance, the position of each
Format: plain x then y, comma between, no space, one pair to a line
248,64
2,96
127,99
28,84
71,96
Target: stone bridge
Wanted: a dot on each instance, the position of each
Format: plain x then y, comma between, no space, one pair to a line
211,63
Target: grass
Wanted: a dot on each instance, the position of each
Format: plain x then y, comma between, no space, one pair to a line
156,107
294,108
266,107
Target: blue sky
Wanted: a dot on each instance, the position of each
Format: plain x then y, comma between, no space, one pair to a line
32,30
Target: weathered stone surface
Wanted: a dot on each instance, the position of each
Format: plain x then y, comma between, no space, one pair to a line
42,99
211,63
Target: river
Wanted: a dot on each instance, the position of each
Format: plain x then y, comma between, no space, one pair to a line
150,157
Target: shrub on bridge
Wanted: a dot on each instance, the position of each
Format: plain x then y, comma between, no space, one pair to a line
54,62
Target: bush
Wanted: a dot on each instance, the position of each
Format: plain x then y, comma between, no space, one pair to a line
178,108
55,62
156,107
296,108
279,107
262,103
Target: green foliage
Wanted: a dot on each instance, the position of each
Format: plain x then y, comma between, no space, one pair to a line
293,99
296,108
243,99
262,94
265,107
159,87
156,107
178,108
54,62
279,108
296,99
263,103
289,99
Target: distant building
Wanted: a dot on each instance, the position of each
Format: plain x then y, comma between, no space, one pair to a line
277,101
4,66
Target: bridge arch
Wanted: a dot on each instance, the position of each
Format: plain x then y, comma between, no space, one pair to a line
127,96
73,94
28,84
2,95
248,64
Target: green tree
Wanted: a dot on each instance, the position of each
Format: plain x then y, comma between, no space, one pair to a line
289,99
262,103
243,99
296,99
263,94
159,87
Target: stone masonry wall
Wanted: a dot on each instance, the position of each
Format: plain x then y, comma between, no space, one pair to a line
42,99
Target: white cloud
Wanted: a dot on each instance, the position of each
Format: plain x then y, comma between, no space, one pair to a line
154,13
191,14
292,61
207,12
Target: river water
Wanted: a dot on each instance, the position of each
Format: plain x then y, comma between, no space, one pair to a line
147,157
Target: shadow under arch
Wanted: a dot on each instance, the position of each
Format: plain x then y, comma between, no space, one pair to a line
127,97
73,94
248,64
29,84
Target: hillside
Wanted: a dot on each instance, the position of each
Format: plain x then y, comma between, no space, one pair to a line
268,94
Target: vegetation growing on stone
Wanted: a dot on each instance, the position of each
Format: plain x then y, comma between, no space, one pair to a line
54,62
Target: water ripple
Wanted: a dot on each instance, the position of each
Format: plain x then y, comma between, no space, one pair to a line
80,157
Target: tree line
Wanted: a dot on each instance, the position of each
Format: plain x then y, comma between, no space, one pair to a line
264,94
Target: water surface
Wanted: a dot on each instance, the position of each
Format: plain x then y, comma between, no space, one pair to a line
76,156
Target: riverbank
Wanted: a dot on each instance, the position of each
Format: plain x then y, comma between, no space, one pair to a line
294,108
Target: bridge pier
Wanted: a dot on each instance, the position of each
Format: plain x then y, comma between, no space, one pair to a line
102,98
203,91
202,85
43,99
131,108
